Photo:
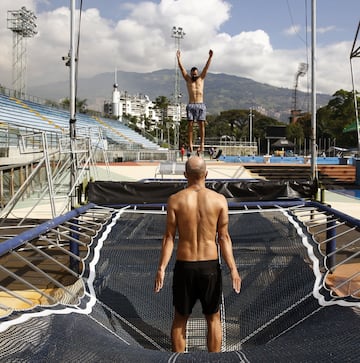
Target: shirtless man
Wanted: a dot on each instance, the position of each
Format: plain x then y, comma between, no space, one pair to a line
199,214
196,108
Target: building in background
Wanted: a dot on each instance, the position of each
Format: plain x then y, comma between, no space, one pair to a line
141,107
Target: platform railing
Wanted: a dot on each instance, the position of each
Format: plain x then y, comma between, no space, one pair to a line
39,265
336,248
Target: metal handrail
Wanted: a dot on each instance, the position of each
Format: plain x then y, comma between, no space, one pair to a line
42,240
336,225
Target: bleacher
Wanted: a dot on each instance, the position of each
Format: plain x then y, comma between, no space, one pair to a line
31,115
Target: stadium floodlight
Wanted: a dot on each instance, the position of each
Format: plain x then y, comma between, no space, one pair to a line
22,24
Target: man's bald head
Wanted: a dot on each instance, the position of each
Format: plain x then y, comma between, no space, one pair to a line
195,167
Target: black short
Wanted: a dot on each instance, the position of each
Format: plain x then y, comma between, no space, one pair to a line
197,280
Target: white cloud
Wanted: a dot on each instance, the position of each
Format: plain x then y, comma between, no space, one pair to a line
333,67
326,29
142,43
293,30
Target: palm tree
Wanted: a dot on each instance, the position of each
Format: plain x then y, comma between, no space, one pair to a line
162,103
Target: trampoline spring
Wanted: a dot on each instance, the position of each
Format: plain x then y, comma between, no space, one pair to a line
77,232
16,296
61,247
342,262
315,222
44,254
81,226
67,236
345,246
338,235
43,273
29,284
349,279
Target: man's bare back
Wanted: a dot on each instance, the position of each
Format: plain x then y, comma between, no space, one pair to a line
200,216
197,210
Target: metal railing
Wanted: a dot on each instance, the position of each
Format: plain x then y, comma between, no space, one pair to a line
40,265
335,251
45,180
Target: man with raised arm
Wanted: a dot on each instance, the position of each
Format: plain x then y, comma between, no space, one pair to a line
200,216
196,108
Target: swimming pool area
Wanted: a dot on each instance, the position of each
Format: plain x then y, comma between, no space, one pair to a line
287,159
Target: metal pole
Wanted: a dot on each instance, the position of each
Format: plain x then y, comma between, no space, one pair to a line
72,122
313,90
355,53
250,126
356,107
74,247
331,244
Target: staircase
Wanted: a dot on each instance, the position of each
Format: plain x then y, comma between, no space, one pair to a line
337,174
328,174
280,171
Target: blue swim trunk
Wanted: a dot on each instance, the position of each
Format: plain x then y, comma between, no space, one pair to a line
196,112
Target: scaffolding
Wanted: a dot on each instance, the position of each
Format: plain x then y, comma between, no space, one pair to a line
45,188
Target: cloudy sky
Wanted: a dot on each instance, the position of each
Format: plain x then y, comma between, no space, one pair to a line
259,39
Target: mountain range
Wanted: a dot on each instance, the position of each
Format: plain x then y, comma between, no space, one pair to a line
222,92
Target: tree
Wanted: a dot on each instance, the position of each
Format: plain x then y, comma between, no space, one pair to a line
295,132
236,123
162,103
81,105
132,122
230,122
304,122
338,113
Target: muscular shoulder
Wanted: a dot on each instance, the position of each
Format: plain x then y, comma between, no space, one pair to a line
215,194
214,199
176,198
208,193
220,198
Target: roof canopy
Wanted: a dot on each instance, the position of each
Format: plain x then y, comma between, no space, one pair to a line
283,143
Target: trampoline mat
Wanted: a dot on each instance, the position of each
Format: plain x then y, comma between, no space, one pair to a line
275,318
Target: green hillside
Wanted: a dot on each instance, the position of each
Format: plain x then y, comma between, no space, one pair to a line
222,91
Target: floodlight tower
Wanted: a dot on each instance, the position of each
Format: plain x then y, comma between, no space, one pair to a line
303,67
22,24
178,34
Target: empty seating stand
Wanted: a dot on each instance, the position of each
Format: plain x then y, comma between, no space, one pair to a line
23,113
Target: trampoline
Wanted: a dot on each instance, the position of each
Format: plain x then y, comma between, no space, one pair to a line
107,310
